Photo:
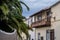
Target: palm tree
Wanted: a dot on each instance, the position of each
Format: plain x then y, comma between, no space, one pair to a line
11,16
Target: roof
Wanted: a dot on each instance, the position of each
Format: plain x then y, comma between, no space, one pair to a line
39,12
46,8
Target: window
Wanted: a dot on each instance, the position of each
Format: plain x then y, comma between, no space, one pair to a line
38,36
39,17
50,34
49,13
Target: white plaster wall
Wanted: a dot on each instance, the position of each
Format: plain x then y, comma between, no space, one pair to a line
56,11
56,24
32,33
42,32
56,27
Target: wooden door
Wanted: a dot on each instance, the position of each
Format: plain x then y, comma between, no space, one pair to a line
52,34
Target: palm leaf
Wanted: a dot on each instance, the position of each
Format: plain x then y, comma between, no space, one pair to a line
5,9
25,5
11,12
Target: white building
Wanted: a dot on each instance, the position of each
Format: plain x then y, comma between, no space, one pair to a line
31,33
47,23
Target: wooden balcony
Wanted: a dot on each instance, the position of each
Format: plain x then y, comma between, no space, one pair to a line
41,23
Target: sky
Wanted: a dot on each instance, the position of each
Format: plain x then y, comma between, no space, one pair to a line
36,5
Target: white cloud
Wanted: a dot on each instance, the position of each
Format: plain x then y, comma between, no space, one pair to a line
36,5
32,0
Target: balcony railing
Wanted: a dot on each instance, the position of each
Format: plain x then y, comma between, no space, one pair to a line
41,23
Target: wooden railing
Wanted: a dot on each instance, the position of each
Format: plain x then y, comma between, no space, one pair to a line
41,23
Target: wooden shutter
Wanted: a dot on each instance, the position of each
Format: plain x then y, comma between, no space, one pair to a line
52,34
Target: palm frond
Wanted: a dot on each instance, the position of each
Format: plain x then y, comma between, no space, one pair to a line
5,9
11,13
25,5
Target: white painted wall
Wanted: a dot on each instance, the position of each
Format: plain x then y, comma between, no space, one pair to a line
32,33
56,24
42,32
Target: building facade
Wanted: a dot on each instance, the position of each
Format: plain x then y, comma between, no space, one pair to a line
31,33
47,23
